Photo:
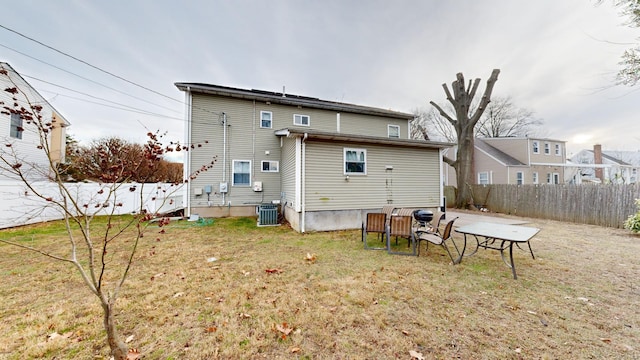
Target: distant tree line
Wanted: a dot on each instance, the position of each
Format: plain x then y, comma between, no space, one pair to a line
113,159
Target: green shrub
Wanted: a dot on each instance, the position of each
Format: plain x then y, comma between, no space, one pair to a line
633,221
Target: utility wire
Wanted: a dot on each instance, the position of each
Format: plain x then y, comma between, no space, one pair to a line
88,64
85,78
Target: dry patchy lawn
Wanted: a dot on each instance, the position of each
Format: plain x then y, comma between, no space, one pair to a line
578,299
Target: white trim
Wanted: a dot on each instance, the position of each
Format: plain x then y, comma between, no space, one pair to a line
276,162
389,126
557,149
483,172
535,178
547,148
301,116
337,122
270,120
233,172
344,161
535,146
521,173
186,155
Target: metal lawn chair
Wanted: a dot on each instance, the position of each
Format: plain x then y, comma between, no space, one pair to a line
400,226
441,239
376,223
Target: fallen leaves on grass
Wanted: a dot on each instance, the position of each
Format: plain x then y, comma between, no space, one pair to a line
311,258
284,329
416,355
129,339
211,329
133,354
273,271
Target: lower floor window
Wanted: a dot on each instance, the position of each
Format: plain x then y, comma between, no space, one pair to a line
241,172
270,166
519,178
355,161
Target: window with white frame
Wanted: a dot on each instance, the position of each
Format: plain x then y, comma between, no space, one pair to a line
547,148
556,178
241,172
519,178
549,180
302,120
393,131
266,118
536,147
535,178
355,161
483,178
16,126
558,150
270,166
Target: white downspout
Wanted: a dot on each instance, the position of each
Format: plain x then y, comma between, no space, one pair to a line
443,205
224,155
304,181
186,170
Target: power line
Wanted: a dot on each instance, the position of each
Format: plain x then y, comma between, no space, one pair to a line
87,79
88,64
85,94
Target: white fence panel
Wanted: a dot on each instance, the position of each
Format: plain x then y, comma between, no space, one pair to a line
19,206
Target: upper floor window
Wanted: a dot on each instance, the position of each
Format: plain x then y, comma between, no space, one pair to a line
16,126
536,147
302,120
547,148
270,166
355,161
558,150
483,178
519,178
393,131
266,119
241,172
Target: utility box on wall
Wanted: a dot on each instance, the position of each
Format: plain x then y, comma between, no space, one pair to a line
257,186
224,188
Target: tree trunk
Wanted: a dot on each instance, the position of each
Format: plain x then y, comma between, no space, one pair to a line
117,346
464,172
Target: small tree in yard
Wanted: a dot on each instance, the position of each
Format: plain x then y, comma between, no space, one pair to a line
90,249
464,123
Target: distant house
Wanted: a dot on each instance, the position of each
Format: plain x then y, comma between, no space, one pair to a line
326,163
598,166
514,160
22,137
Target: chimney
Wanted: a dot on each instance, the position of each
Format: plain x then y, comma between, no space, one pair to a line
597,159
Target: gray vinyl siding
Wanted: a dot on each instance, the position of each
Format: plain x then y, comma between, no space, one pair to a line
288,171
244,142
370,125
413,182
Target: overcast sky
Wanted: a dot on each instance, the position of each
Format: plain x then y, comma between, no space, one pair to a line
557,58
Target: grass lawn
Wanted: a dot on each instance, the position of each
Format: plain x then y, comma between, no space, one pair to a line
264,297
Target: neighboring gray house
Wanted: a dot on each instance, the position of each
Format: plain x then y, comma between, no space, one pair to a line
326,163
514,160
598,166
22,137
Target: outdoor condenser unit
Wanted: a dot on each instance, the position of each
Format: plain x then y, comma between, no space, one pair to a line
267,214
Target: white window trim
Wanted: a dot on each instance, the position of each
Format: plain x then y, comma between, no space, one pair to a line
521,175
535,177
270,121
344,161
547,148
15,121
549,178
277,163
556,176
233,172
301,116
558,150
488,179
536,147
389,127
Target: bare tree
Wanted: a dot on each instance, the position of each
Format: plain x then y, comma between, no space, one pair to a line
429,125
90,249
503,119
464,123
630,62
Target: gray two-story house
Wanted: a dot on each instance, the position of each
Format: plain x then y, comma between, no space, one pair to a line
325,163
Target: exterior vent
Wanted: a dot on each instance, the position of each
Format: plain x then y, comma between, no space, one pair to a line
267,215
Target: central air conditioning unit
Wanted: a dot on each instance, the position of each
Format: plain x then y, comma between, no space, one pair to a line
267,214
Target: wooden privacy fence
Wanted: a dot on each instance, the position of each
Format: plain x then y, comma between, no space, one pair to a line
604,205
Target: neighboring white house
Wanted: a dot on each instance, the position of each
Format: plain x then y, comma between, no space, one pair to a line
24,140
598,166
326,163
